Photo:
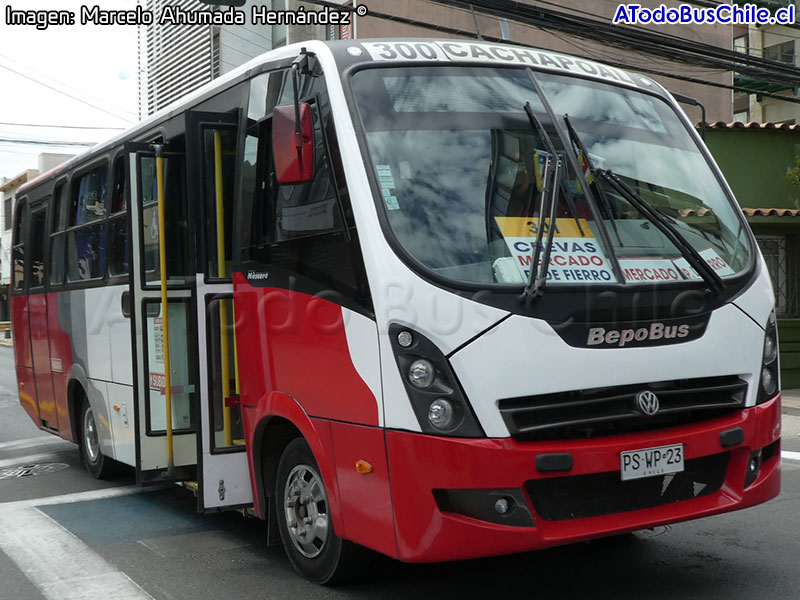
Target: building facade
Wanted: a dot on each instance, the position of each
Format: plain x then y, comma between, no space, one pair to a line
175,60
716,100
754,158
773,42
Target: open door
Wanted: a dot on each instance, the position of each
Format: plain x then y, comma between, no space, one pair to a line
212,141
164,334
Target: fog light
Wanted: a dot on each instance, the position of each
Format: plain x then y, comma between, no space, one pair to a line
440,414
502,506
753,468
421,373
405,339
768,382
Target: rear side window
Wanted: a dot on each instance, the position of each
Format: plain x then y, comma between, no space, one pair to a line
89,197
57,236
36,252
86,238
20,228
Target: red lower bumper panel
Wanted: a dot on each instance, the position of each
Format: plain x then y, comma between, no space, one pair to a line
457,498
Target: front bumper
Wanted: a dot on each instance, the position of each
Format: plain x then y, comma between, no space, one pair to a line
421,464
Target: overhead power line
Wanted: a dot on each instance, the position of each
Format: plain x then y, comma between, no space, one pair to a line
622,65
61,126
635,38
67,94
43,142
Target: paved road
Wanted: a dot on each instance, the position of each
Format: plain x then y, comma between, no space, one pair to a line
63,532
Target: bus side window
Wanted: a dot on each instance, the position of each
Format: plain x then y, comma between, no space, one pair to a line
20,232
299,227
57,235
38,224
177,249
86,239
118,224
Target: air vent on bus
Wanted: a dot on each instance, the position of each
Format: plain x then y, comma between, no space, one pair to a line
613,410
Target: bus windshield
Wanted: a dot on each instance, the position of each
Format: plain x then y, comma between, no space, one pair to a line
462,175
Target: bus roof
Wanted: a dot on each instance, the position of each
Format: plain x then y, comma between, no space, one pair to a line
385,52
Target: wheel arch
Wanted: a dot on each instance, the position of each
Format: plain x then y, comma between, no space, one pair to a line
280,421
76,392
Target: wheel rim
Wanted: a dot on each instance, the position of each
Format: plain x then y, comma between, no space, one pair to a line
306,510
90,437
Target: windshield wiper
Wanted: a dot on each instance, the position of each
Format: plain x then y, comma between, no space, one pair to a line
535,287
610,212
655,216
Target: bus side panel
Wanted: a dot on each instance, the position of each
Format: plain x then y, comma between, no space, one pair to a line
19,323
60,362
27,392
40,355
296,344
22,356
369,523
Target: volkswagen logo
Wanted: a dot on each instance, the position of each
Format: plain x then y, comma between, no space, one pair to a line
647,402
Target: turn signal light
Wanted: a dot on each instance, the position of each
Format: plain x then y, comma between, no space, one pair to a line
363,467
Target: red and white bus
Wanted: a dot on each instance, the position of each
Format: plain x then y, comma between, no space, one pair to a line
438,299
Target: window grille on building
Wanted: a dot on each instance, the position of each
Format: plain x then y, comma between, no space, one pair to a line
779,254
783,52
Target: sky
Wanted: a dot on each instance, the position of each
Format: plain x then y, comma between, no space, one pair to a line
92,64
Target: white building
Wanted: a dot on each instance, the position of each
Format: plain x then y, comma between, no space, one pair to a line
174,60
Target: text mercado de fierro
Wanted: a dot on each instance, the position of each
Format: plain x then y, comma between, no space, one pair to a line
175,15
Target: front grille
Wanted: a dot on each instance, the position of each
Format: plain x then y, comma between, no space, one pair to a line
563,498
613,410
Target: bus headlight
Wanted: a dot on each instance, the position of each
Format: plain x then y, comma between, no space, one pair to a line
769,383
770,349
421,373
439,403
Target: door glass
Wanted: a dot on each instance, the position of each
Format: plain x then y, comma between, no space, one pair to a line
226,421
181,370
21,217
219,169
175,214
37,249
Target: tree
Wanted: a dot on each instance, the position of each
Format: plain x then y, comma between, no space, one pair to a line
793,173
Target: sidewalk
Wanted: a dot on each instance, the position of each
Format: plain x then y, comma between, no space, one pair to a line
790,398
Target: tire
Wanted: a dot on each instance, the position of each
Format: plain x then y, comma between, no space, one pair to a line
302,508
98,465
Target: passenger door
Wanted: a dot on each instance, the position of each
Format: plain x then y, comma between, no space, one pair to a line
212,148
152,351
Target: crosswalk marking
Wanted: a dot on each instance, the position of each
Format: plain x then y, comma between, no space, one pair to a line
790,455
60,565
31,442
88,496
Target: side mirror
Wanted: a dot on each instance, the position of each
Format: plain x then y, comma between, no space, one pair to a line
293,143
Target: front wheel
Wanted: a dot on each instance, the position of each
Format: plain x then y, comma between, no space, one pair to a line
304,519
98,465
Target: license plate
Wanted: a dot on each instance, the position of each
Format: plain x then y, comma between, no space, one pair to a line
650,462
